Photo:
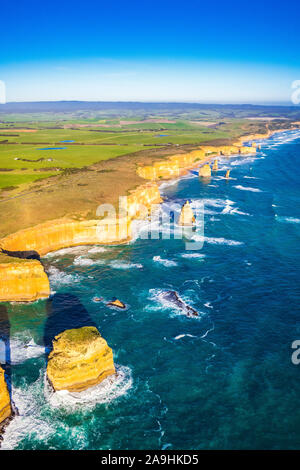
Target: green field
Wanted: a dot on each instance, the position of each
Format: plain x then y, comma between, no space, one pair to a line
99,135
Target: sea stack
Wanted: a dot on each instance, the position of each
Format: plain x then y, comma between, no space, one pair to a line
80,359
227,174
205,171
187,215
116,303
215,165
5,406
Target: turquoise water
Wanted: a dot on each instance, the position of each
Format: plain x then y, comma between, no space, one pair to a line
222,380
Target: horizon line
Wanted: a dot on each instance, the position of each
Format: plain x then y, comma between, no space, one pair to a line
229,103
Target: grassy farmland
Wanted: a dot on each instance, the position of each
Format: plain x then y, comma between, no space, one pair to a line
64,163
34,148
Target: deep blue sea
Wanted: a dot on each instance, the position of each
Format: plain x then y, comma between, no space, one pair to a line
224,380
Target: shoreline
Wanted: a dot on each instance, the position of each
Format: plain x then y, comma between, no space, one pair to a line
58,234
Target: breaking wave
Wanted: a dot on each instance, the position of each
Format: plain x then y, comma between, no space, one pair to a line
216,241
247,188
165,262
105,392
123,265
288,220
57,277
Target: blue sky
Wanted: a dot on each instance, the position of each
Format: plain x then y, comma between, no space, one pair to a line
212,51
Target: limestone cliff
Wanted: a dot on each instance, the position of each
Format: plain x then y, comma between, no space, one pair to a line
205,171
187,215
80,359
23,281
63,233
139,201
173,167
178,164
5,407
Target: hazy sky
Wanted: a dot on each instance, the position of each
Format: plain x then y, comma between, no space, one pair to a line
159,50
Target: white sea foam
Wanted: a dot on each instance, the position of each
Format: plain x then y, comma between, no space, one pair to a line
216,241
208,305
67,251
235,210
123,265
193,255
37,417
244,161
251,177
29,421
108,390
81,261
21,351
288,220
247,188
212,202
98,249
184,335
228,207
165,262
57,277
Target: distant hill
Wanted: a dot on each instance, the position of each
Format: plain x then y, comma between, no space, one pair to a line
139,108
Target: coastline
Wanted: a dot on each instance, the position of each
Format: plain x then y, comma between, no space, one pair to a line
26,280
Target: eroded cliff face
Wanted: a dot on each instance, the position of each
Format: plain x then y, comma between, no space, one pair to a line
175,166
63,233
178,165
5,407
138,203
23,281
80,359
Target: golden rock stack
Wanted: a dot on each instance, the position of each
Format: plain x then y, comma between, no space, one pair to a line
215,165
205,171
5,407
80,359
187,215
227,174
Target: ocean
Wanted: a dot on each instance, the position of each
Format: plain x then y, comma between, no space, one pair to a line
222,380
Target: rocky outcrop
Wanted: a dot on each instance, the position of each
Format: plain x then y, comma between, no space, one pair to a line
80,359
215,165
227,174
205,171
187,215
5,406
22,280
116,303
173,298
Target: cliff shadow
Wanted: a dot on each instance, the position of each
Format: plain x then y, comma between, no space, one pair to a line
5,349
31,254
64,312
